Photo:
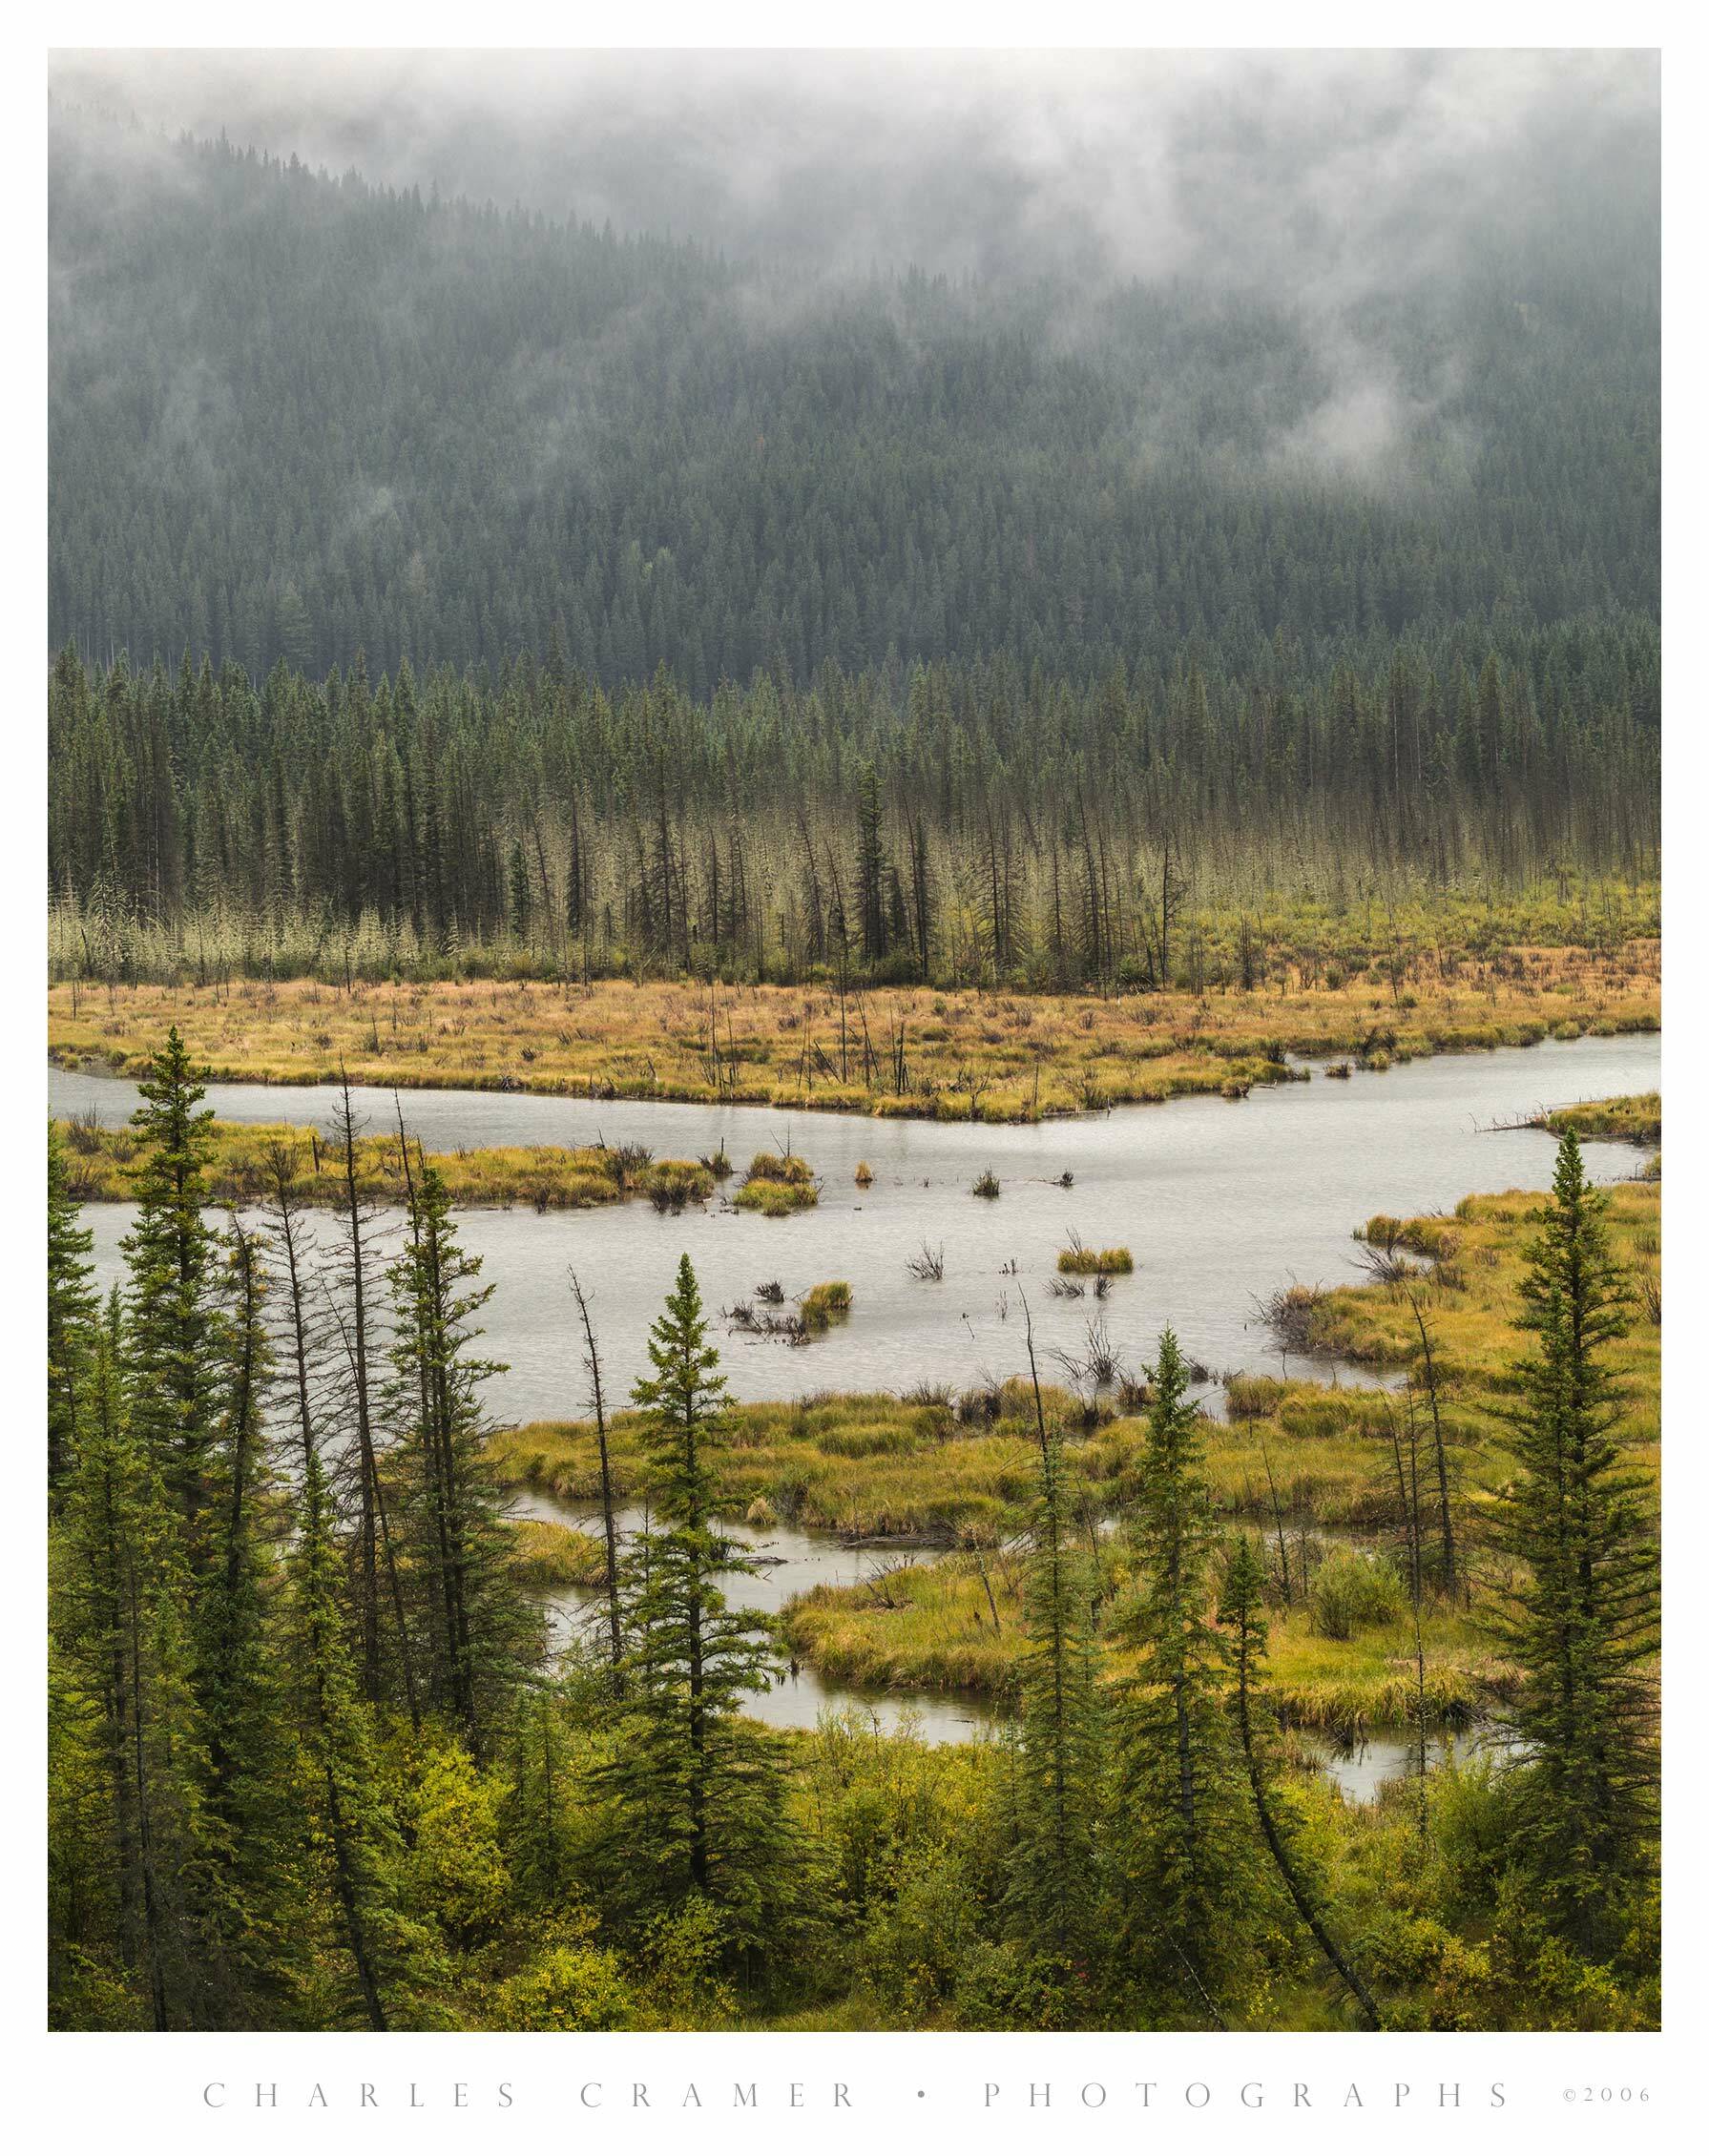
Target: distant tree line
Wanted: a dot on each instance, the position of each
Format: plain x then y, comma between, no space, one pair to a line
945,822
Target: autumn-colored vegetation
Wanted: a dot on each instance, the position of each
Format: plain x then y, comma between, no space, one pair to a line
970,1053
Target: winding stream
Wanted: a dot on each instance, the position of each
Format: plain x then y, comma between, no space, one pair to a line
1219,1201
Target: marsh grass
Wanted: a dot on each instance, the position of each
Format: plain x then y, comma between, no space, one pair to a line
673,1184
101,1167
929,1624
1481,979
829,1300
547,1554
776,1185
1079,1258
1634,1117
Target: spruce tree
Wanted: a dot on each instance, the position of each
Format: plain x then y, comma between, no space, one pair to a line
475,1627
352,1835
174,1375
1053,1891
1194,1900
1582,1622
699,1803
122,1623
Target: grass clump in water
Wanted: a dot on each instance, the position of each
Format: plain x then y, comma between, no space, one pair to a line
987,1185
829,1299
777,1184
1635,1117
672,1184
1079,1258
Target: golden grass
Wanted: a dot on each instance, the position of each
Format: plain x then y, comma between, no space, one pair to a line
856,1463
101,1167
1471,1302
968,1053
1635,1117
1078,1258
829,1299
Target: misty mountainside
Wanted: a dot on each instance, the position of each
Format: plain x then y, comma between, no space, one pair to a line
296,416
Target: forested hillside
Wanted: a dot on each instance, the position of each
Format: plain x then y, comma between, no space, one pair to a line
296,416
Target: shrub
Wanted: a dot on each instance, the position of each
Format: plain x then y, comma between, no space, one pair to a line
568,1987
1291,1313
1351,1591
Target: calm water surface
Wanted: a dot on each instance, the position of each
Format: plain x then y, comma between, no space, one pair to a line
1220,1202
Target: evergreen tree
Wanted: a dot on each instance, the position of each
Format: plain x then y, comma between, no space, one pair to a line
1193,1899
1583,1623
352,1835
474,1627
122,1621
1053,1881
698,1792
174,1375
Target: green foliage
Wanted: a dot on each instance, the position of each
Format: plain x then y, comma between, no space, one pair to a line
570,1987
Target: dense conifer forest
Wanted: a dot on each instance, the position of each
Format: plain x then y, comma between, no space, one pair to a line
296,417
